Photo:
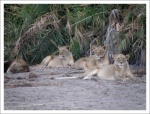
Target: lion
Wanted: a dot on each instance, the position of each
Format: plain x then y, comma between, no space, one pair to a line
100,58
118,71
18,66
65,59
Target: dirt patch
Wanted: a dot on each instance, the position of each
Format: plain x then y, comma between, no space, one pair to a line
37,90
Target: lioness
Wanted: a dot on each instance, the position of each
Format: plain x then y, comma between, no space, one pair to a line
65,58
100,58
17,66
118,71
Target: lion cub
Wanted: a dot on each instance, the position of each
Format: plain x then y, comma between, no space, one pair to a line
65,59
100,58
17,66
118,71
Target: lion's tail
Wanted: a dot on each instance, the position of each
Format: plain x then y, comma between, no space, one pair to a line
73,77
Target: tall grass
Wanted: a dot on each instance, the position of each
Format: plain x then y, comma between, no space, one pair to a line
77,25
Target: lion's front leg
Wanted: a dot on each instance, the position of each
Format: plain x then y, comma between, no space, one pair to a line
118,76
86,72
90,74
131,76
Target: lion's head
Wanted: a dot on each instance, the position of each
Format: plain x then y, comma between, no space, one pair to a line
121,60
99,51
64,51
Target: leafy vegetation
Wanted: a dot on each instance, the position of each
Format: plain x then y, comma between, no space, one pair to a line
71,24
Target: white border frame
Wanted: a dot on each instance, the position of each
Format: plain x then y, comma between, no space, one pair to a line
75,2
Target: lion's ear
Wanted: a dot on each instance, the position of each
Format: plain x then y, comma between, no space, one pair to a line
93,47
68,47
104,47
127,56
58,46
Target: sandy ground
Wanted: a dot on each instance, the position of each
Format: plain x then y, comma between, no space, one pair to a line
37,90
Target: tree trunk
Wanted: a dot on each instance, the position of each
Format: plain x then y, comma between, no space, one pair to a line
114,27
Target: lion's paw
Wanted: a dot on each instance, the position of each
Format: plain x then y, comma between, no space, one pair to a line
87,78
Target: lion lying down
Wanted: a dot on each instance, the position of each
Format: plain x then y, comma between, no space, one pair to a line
100,58
16,66
65,59
118,71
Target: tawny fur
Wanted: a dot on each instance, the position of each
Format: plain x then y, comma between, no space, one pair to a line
65,59
17,66
118,71
100,58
